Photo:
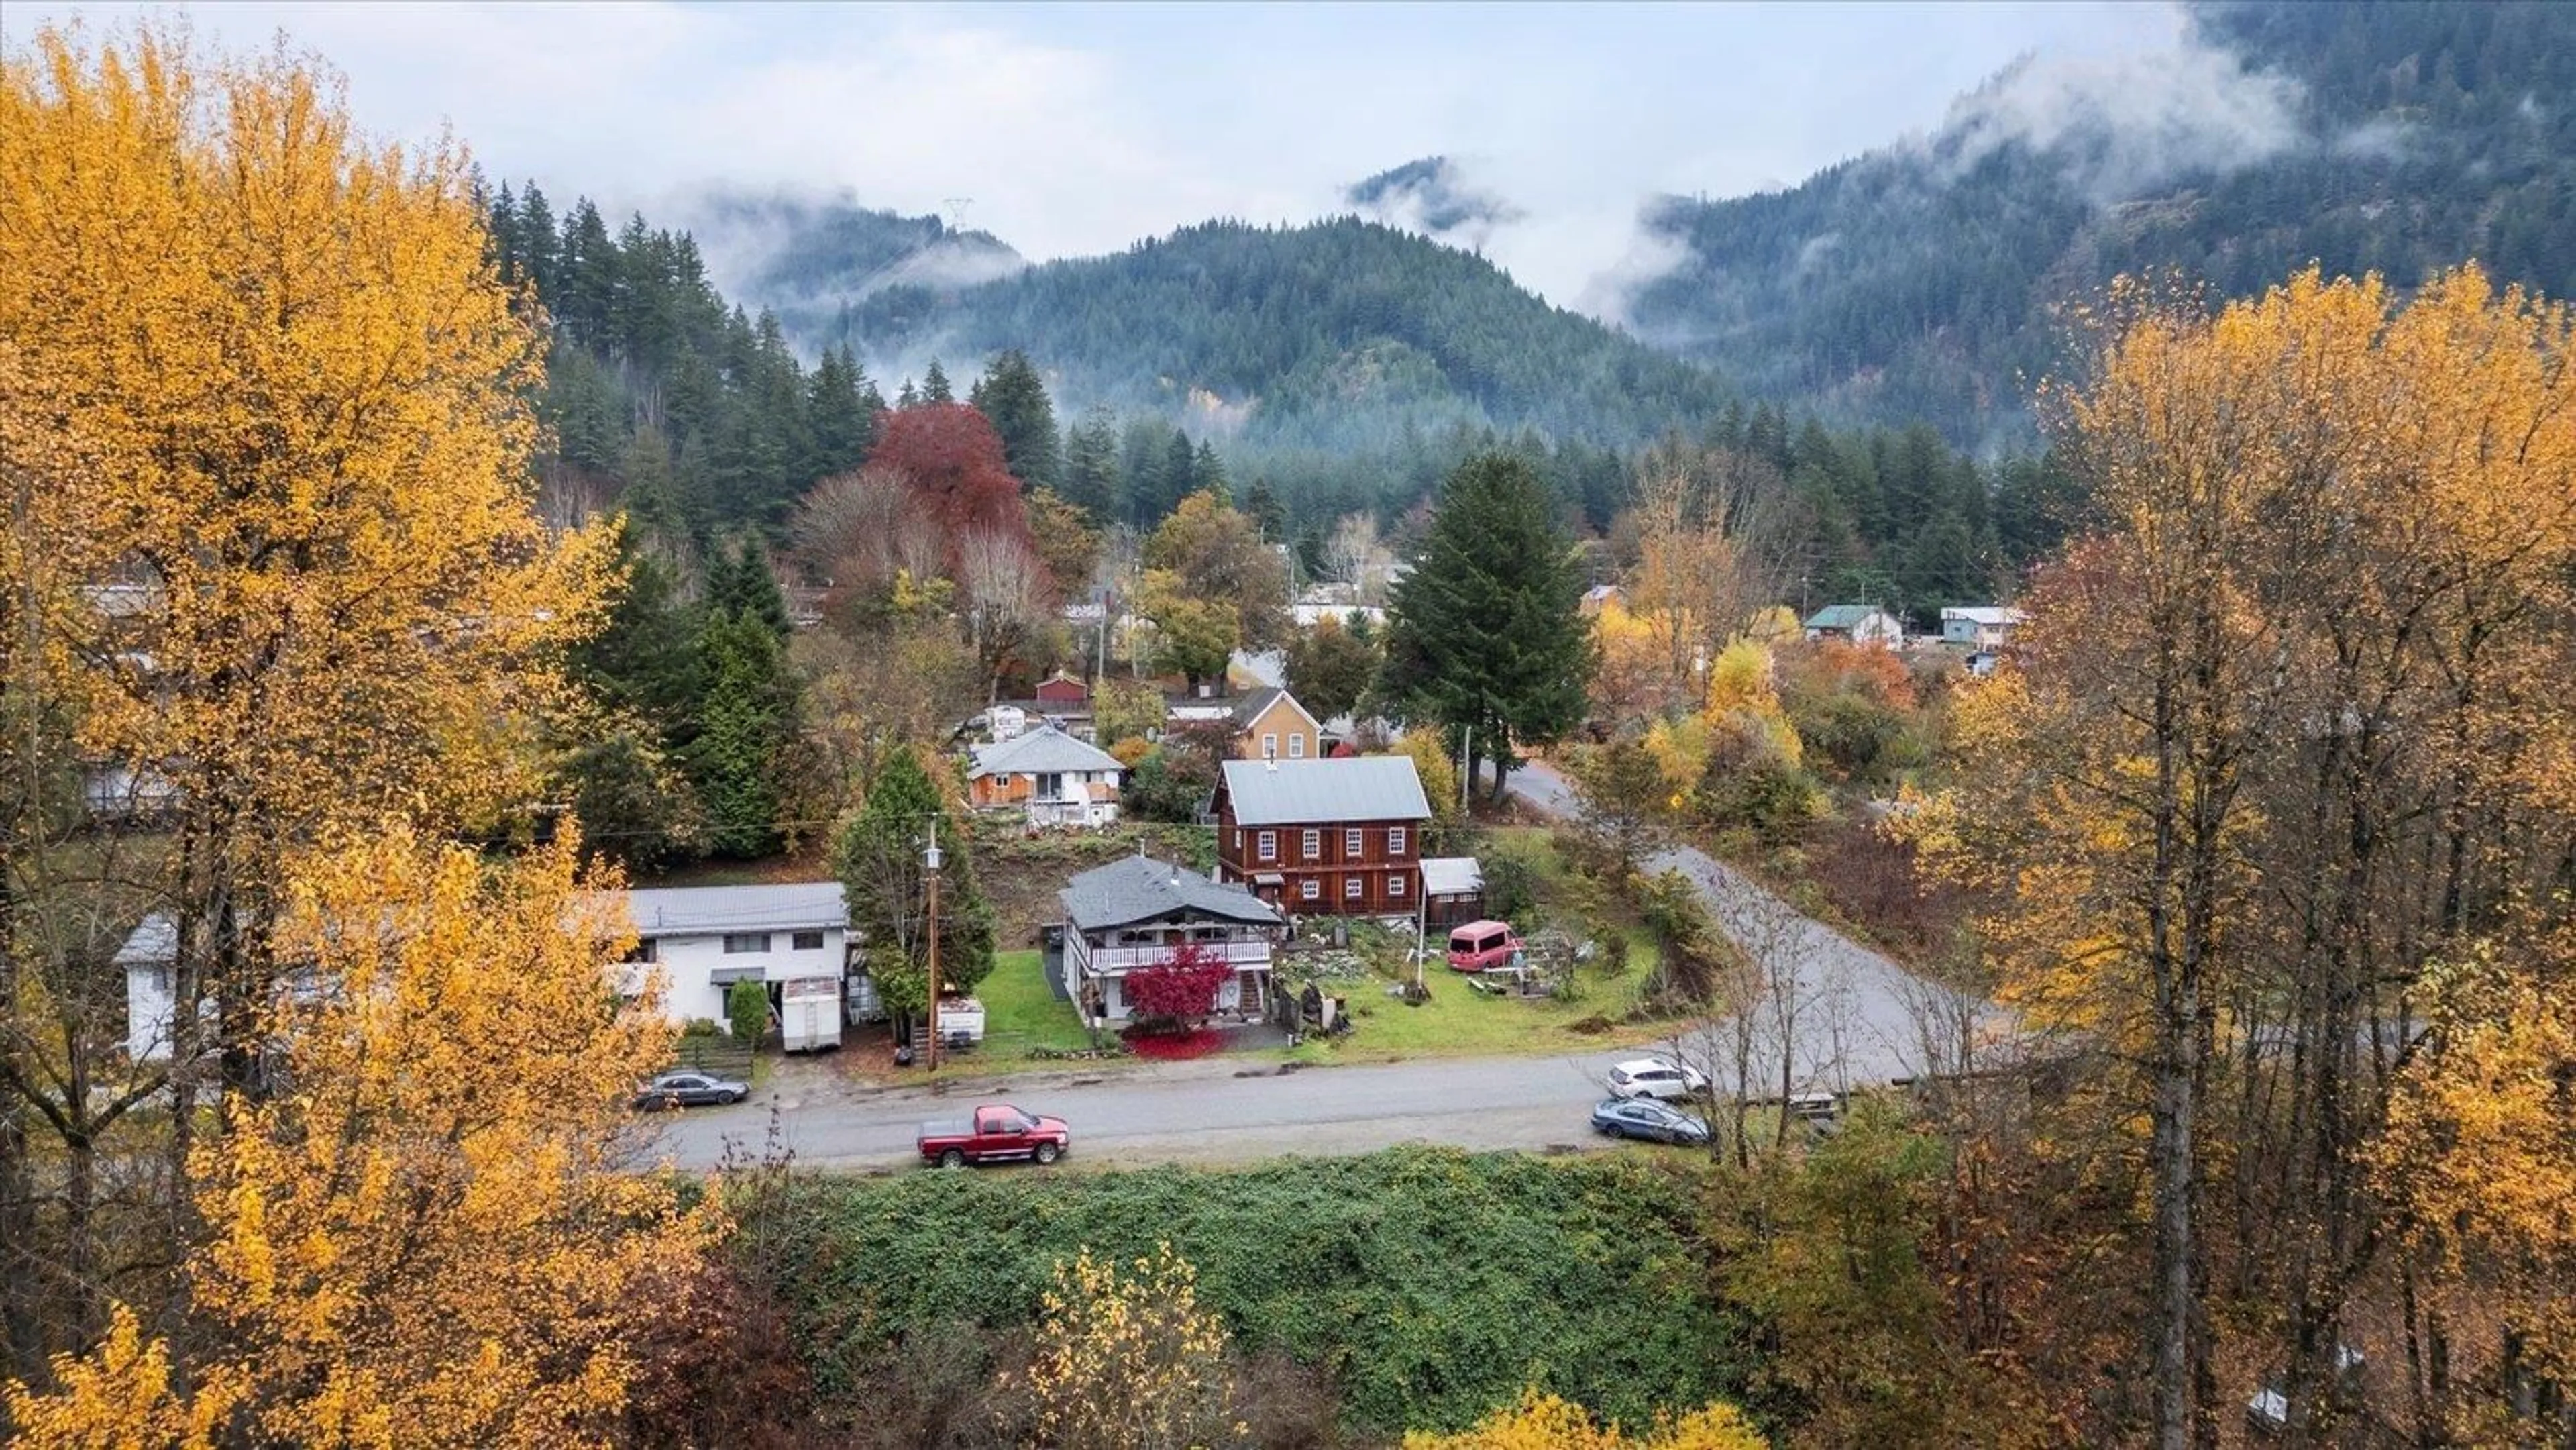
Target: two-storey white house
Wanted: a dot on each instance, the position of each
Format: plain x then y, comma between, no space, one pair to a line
1133,913
791,937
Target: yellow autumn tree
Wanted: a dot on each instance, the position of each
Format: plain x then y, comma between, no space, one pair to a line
293,404
2284,734
2480,1150
1634,681
429,1232
120,1397
1545,1422
1126,1360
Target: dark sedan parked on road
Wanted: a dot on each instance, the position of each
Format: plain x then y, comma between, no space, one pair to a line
688,1088
1648,1119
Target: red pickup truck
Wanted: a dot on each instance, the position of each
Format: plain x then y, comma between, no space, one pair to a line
998,1131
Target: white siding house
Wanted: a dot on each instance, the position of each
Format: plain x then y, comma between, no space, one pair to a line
147,957
1860,624
706,938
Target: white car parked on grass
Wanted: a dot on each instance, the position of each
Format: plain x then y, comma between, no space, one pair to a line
1655,1077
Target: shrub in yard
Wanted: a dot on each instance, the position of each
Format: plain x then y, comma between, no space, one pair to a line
1178,992
747,1010
701,1027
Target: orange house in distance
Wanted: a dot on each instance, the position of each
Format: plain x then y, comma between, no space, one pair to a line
1062,781
1269,724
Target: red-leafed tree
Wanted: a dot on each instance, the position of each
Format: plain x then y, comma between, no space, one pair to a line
1178,992
953,460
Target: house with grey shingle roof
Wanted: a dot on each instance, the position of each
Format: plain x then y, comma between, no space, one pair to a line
1339,837
1135,913
1864,624
1060,780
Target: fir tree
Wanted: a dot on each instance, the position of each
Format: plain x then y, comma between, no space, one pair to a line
1014,398
1486,634
879,860
1091,465
1207,472
934,385
745,723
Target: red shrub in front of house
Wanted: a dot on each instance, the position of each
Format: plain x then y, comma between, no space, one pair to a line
1178,992
1173,1046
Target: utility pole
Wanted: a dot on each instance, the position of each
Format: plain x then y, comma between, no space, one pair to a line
930,864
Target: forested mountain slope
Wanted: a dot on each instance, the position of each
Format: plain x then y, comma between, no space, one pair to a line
1340,334
1925,280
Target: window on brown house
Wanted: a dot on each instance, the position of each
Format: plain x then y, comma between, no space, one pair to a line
1314,844
1395,840
1395,885
1352,886
1269,843
1351,846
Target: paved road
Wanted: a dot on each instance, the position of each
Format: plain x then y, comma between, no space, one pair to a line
1859,1018
1855,1025
1214,1110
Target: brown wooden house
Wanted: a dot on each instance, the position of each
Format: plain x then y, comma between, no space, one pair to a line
1324,837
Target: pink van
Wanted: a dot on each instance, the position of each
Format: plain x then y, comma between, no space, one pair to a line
1482,944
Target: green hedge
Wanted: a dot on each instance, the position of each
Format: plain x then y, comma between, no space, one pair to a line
1432,1284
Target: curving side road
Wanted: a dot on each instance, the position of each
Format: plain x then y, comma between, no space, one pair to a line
1859,1019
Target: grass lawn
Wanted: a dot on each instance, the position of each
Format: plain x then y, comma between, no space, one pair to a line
1020,1014
1461,1022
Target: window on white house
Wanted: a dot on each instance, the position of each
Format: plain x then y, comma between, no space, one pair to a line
644,951
737,943
806,941
1351,847
1311,889
1270,747
1395,840
1314,844
1351,886
1395,885
1269,843
1051,786
1297,747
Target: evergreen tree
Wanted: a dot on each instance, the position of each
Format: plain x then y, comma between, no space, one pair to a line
1014,398
1206,472
843,425
907,397
1180,476
746,722
879,860
1091,465
934,385
739,583
1263,506
1486,634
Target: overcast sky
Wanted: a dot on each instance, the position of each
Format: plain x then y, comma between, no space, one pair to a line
1079,128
